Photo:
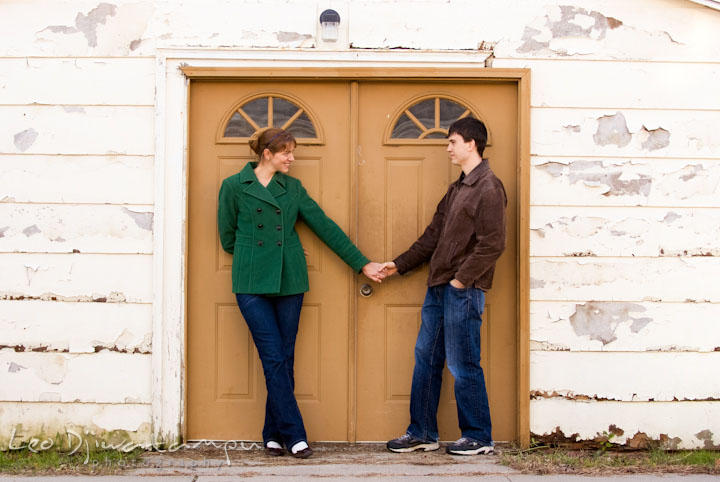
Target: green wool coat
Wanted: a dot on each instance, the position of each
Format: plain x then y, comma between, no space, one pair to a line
257,226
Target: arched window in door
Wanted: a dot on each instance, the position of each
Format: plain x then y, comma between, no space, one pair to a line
426,119
269,110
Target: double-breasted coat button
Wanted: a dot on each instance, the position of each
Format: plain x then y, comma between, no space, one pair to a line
278,227
277,211
259,210
260,243
279,243
260,226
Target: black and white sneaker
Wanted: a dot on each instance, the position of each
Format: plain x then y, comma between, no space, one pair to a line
469,446
410,443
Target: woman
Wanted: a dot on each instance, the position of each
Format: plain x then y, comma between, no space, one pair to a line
257,211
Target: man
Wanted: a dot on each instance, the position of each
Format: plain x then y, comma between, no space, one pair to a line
462,243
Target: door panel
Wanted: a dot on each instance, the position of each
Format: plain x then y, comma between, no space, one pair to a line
226,389
399,188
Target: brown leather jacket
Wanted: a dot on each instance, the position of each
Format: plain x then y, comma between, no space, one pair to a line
467,233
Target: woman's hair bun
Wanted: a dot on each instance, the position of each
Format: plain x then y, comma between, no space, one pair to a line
254,141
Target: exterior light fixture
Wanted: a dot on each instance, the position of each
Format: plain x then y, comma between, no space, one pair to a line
329,22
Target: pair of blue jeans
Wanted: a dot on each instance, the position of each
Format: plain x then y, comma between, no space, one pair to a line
450,329
273,323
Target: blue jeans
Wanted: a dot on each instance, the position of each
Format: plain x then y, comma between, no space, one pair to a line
273,323
450,328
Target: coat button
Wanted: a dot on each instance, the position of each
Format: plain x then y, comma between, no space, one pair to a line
278,227
260,226
279,243
259,210
278,211
260,243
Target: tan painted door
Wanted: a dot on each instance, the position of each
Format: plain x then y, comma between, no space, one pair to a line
401,180
226,388
353,368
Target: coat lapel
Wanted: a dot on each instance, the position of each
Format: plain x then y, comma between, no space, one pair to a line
254,188
277,186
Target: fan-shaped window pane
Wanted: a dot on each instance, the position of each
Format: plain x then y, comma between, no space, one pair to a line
449,112
238,127
425,113
302,127
406,129
257,110
429,119
283,111
270,111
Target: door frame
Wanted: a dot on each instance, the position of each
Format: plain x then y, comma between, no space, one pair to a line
176,69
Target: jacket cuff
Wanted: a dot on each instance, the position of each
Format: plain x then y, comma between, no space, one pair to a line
358,263
463,280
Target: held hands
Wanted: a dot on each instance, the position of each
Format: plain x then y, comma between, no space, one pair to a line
379,271
388,268
374,271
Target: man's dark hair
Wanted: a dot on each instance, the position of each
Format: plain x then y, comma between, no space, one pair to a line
469,129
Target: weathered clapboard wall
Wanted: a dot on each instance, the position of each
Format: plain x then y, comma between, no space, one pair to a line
624,215
624,218
76,220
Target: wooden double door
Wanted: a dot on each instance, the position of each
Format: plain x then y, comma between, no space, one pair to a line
372,154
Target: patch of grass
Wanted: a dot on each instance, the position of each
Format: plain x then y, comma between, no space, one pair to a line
25,461
548,460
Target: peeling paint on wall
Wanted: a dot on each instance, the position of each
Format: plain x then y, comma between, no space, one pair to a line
594,173
612,129
30,230
23,140
707,437
113,297
124,344
285,37
87,24
54,370
14,367
598,321
143,219
536,283
73,109
569,21
654,139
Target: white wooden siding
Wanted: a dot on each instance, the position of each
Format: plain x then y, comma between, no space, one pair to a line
588,326
676,424
637,376
624,232
624,181
558,83
68,327
625,198
115,179
77,277
64,228
654,30
671,279
77,81
104,377
83,28
628,133
27,419
77,130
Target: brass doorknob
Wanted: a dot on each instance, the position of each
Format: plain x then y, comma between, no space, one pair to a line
366,290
